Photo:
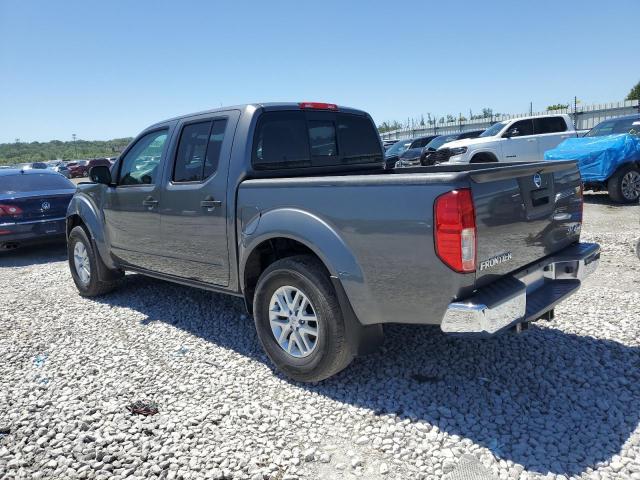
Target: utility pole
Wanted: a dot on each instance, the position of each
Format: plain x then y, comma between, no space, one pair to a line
530,108
75,146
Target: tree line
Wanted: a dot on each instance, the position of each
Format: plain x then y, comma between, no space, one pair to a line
23,152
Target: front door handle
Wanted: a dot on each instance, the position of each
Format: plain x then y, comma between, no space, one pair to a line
150,202
209,203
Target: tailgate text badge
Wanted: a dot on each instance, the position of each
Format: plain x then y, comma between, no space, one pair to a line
497,260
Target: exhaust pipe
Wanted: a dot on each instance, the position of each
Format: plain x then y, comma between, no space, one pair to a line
520,327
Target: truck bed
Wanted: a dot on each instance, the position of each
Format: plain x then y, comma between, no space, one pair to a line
380,228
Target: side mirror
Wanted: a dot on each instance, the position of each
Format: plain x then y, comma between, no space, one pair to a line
100,174
513,132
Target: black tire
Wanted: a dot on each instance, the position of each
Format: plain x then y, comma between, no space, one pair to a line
101,279
617,191
332,352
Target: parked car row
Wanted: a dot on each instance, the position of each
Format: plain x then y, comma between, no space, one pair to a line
608,154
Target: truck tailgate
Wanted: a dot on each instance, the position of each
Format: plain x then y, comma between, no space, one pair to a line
524,213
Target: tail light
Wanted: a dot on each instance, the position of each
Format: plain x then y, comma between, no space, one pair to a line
318,106
9,210
455,230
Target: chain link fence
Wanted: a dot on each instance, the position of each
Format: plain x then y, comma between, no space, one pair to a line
584,118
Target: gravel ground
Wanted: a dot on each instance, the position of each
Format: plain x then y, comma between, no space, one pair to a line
561,400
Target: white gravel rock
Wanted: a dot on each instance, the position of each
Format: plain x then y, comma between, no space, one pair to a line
559,401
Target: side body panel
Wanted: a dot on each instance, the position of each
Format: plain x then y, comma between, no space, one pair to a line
374,232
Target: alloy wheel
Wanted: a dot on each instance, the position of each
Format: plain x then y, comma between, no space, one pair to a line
293,320
81,263
631,185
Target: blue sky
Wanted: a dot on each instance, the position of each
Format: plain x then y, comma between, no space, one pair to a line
104,69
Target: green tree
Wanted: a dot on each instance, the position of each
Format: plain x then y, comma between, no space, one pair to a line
634,94
557,106
19,152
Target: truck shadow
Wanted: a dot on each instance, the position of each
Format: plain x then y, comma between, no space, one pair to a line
548,400
34,255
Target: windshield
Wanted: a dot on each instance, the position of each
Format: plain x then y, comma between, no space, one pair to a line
439,141
610,127
398,147
493,129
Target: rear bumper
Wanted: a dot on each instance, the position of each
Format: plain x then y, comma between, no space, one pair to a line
32,231
525,295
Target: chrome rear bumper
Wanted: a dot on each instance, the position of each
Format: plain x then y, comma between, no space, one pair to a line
524,295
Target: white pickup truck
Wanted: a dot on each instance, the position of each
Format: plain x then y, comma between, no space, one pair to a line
517,140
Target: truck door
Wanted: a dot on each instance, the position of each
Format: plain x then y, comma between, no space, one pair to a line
519,143
193,213
132,224
551,131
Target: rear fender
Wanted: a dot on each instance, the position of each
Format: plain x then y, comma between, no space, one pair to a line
314,233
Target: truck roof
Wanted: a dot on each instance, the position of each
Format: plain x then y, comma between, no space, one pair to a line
255,106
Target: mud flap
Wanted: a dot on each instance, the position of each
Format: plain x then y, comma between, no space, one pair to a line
364,339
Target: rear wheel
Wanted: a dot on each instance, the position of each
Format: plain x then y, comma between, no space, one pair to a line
299,321
624,185
90,274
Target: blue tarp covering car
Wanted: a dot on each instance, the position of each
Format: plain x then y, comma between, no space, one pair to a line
608,157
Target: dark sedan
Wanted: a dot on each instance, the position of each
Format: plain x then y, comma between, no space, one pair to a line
33,206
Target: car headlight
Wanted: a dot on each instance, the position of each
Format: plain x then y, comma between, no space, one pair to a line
458,151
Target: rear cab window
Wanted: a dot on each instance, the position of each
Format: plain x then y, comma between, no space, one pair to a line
293,139
198,151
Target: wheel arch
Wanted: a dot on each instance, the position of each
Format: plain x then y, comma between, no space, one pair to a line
483,156
82,212
286,232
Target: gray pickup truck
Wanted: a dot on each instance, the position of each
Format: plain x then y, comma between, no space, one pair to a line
289,206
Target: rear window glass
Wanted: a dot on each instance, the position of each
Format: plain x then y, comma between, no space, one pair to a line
282,140
322,137
300,139
20,183
358,139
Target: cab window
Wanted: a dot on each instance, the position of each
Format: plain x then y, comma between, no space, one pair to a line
521,128
549,125
198,151
140,164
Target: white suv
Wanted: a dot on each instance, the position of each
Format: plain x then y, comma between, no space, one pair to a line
518,140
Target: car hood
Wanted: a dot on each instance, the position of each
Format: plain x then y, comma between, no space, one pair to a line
465,142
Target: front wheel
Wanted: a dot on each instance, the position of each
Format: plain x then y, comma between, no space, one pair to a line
90,274
299,321
624,185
